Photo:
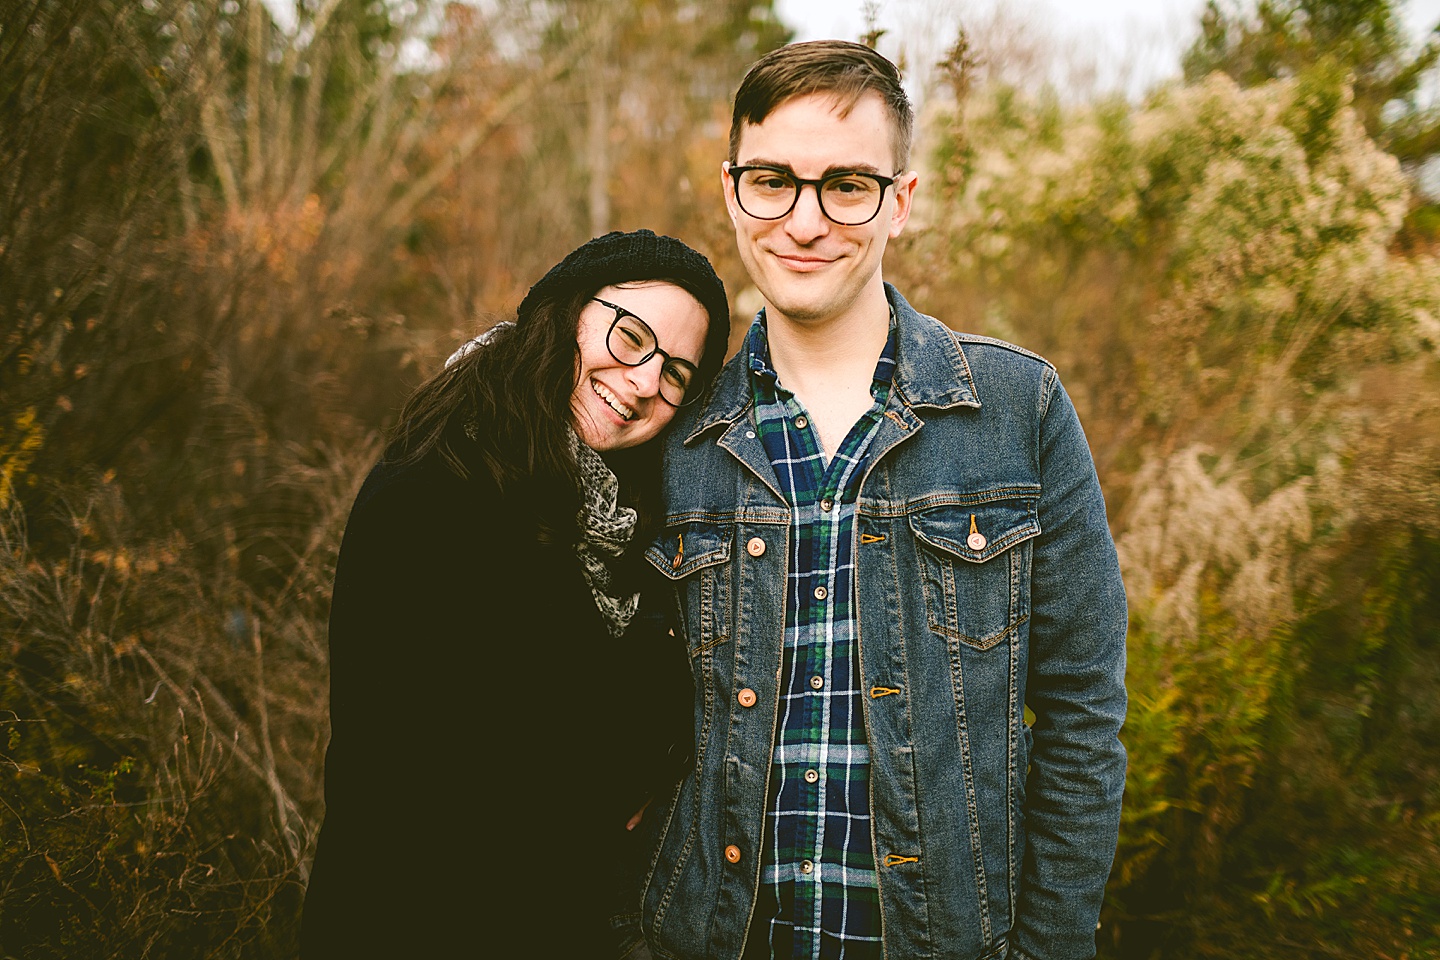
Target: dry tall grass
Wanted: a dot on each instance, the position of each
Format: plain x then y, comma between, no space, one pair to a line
226,252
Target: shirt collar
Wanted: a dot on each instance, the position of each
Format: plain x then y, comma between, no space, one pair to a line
931,371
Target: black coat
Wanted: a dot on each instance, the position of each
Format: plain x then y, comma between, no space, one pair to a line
489,738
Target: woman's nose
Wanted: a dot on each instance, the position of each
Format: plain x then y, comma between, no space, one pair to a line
645,377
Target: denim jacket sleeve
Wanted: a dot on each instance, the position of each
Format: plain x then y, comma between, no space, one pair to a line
1076,689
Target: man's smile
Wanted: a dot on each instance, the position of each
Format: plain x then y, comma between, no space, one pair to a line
804,262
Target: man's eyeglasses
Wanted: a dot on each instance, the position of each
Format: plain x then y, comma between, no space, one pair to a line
632,342
849,198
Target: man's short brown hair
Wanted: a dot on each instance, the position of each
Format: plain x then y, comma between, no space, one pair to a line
847,71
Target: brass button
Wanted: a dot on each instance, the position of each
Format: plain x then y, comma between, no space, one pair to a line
821,593
807,867
816,682
827,505
755,547
746,697
732,853
801,422
976,541
812,776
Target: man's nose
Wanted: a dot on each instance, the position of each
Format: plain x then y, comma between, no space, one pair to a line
807,220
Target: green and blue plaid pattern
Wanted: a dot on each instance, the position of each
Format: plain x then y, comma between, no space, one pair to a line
818,897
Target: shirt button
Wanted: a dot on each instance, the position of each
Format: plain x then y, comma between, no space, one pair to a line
732,853
807,867
827,505
816,682
821,593
755,547
801,423
811,776
746,697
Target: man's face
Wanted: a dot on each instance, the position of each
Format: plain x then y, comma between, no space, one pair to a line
808,268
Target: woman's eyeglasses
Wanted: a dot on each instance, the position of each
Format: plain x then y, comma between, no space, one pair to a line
632,342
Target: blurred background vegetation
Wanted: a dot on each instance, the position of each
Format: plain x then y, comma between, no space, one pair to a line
229,247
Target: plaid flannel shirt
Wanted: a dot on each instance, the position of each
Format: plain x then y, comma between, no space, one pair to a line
818,896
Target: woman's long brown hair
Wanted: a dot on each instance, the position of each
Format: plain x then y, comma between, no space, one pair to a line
505,408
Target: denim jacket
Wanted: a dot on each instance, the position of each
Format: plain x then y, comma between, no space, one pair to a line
987,582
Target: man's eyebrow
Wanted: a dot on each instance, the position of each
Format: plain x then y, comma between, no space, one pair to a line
832,169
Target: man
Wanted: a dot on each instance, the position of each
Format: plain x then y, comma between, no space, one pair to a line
886,541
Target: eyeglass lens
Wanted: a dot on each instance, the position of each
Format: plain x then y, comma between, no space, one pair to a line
849,199
632,342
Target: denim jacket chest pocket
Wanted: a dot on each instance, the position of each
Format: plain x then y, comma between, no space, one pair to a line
975,564
694,556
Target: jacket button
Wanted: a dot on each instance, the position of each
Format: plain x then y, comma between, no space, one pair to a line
755,547
746,697
732,853
976,541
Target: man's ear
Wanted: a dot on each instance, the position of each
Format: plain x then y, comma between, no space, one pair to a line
727,187
904,196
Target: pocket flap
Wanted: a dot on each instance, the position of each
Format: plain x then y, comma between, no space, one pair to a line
979,531
681,550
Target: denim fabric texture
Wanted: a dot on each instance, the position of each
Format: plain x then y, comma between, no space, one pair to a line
987,581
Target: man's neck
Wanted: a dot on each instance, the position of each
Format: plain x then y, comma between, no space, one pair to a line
822,352
830,364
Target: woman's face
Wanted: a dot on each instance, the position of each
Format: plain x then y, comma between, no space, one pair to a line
616,406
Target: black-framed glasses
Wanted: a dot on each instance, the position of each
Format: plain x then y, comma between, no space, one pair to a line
848,197
631,342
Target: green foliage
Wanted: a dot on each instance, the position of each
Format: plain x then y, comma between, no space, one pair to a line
1218,276
1360,42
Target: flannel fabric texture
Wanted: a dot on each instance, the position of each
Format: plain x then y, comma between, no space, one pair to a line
818,897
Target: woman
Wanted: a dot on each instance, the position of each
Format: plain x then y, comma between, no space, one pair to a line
499,706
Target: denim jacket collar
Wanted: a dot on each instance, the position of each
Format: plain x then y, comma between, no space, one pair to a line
931,371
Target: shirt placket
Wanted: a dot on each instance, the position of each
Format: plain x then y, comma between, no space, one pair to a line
828,678
808,659
817,667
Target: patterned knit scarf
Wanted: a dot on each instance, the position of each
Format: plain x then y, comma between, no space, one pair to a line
605,530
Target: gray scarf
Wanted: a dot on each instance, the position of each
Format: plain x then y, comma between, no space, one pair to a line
605,530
